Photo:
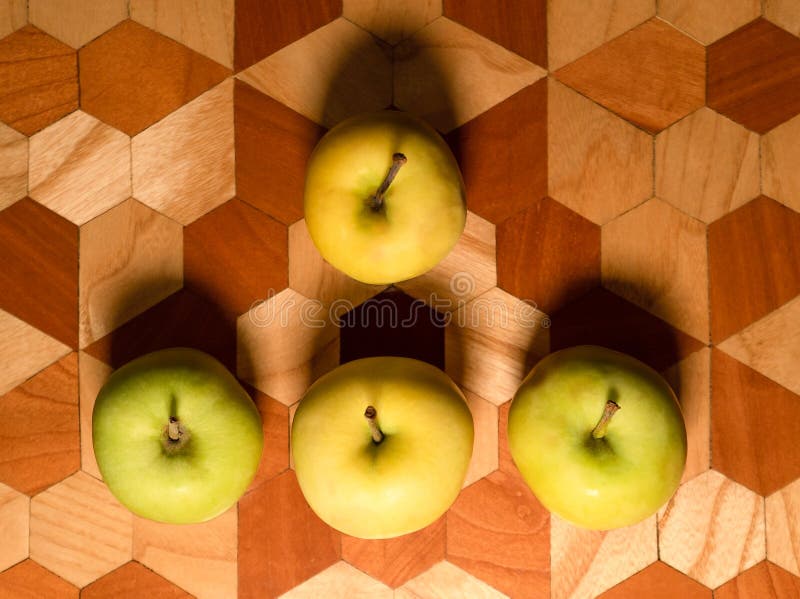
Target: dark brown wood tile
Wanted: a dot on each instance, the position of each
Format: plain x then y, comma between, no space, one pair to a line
658,581
764,581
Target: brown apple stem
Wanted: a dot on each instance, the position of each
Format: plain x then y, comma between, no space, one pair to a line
174,429
602,426
371,415
398,160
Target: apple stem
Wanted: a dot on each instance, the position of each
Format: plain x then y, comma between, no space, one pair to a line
174,431
371,415
398,160
602,426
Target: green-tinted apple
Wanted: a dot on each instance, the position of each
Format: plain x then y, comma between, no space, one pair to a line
384,198
381,446
176,437
598,437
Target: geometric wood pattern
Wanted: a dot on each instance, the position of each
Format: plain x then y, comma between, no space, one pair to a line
29,579
780,155
13,166
391,21
14,526
76,22
709,20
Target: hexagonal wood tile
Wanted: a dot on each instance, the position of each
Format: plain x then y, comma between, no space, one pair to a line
340,581
779,155
92,375
785,13
14,527
445,575
658,581
29,579
133,581
275,423
485,444
13,166
765,580
783,527
391,21
76,22
13,15
710,20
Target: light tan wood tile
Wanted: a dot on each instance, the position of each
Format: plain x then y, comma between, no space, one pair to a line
469,270
604,165
92,375
584,563
712,529
434,67
14,522
785,13
79,531
391,21
131,257
771,345
13,15
340,581
691,380
708,20
183,165
24,351
492,341
335,72
13,166
284,344
80,167
200,558
783,528
575,27
484,447
707,165
76,22
780,155
656,257
446,580
205,26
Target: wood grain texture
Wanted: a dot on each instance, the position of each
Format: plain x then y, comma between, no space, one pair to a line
92,375
79,531
29,579
520,26
132,77
445,577
783,528
444,57
13,166
548,255
80,167
754,425
779,158
712,529
335,72
765,581
133,581
340,581
14,525
753,263
183,166
281,541
754,74
514,134
658,581
604,165
275,424
200,558
707,165
498,532
40,437
205,26
484,446
391,21
395,561
575,28
785,13
652,75
76,22
40,80
709,20
587,562
271,138
13,15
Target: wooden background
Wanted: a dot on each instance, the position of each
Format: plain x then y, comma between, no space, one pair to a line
632,171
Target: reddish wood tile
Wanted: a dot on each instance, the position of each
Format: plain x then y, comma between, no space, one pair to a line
755,424
40,80
500,533
39,254
395,561
658,581
133,581
754,76
548,254
271,138
264,27
281,541
503,154
520,26
29,580
603,318
235,255
275,423
765,581
754,264
132,77
653,75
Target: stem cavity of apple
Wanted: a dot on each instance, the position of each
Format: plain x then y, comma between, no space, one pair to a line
175,436
600,429
376,200
371,415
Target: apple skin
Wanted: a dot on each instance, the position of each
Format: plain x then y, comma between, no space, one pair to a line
408,480
606,483
211,471
424,210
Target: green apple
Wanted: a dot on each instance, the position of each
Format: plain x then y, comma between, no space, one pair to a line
381,446
176,437
598,436
384,198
